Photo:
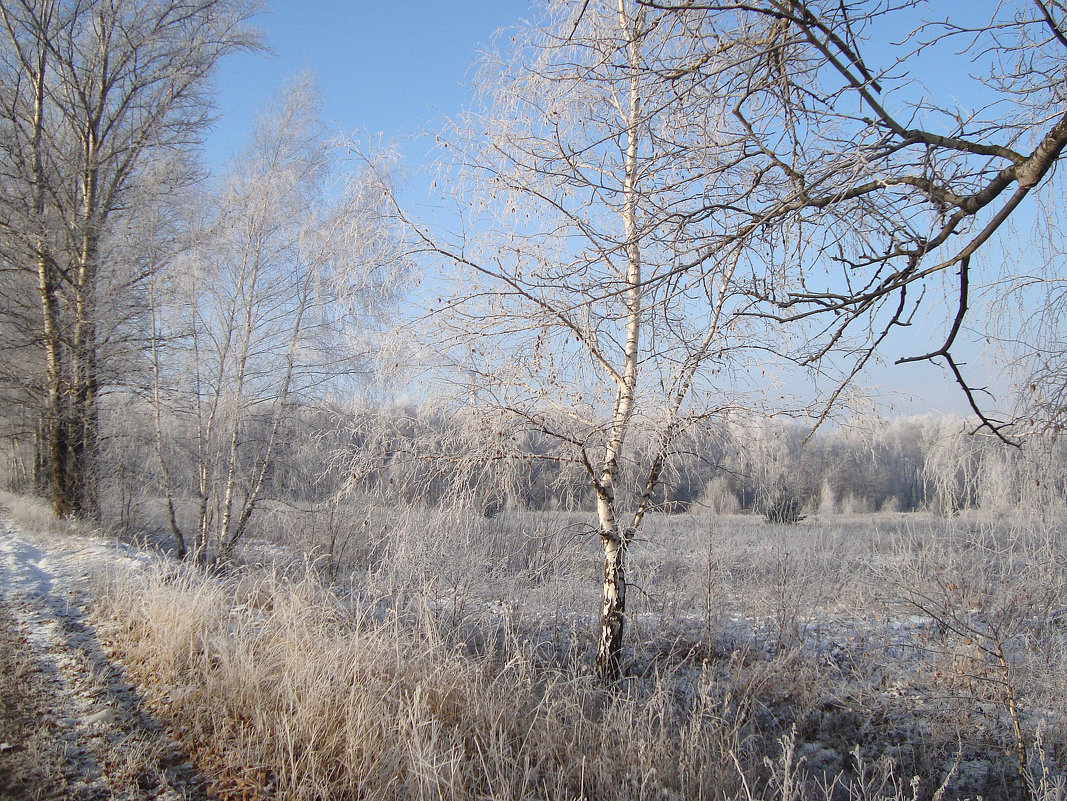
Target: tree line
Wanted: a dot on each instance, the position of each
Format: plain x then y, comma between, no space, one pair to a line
371,456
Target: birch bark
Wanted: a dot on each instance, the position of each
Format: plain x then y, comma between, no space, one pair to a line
614,539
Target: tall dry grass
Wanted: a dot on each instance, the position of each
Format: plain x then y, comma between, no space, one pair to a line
329,701
34,514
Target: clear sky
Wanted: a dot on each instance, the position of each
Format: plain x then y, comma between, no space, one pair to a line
390,67
396,69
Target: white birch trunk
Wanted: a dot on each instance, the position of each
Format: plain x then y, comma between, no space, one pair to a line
613,539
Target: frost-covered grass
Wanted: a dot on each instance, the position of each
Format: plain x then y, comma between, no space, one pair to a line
323,700
417,654
33,514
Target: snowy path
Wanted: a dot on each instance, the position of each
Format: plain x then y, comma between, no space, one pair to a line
71,726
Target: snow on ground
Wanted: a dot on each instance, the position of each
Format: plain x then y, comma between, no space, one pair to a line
71,726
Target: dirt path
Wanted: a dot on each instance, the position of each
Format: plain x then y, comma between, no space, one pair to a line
71,726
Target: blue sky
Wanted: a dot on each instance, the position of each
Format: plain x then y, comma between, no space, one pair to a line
391,67
395,69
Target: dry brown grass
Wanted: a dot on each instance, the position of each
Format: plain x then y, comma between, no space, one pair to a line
330,702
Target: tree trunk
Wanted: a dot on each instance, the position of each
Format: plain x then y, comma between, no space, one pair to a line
55,450
85,412
613,611
40,457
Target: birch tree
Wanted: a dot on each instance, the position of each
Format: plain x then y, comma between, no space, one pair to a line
90,92
266,310
570,316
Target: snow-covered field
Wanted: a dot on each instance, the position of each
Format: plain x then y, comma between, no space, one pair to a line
448,656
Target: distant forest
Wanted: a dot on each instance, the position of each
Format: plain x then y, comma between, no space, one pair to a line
743,465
